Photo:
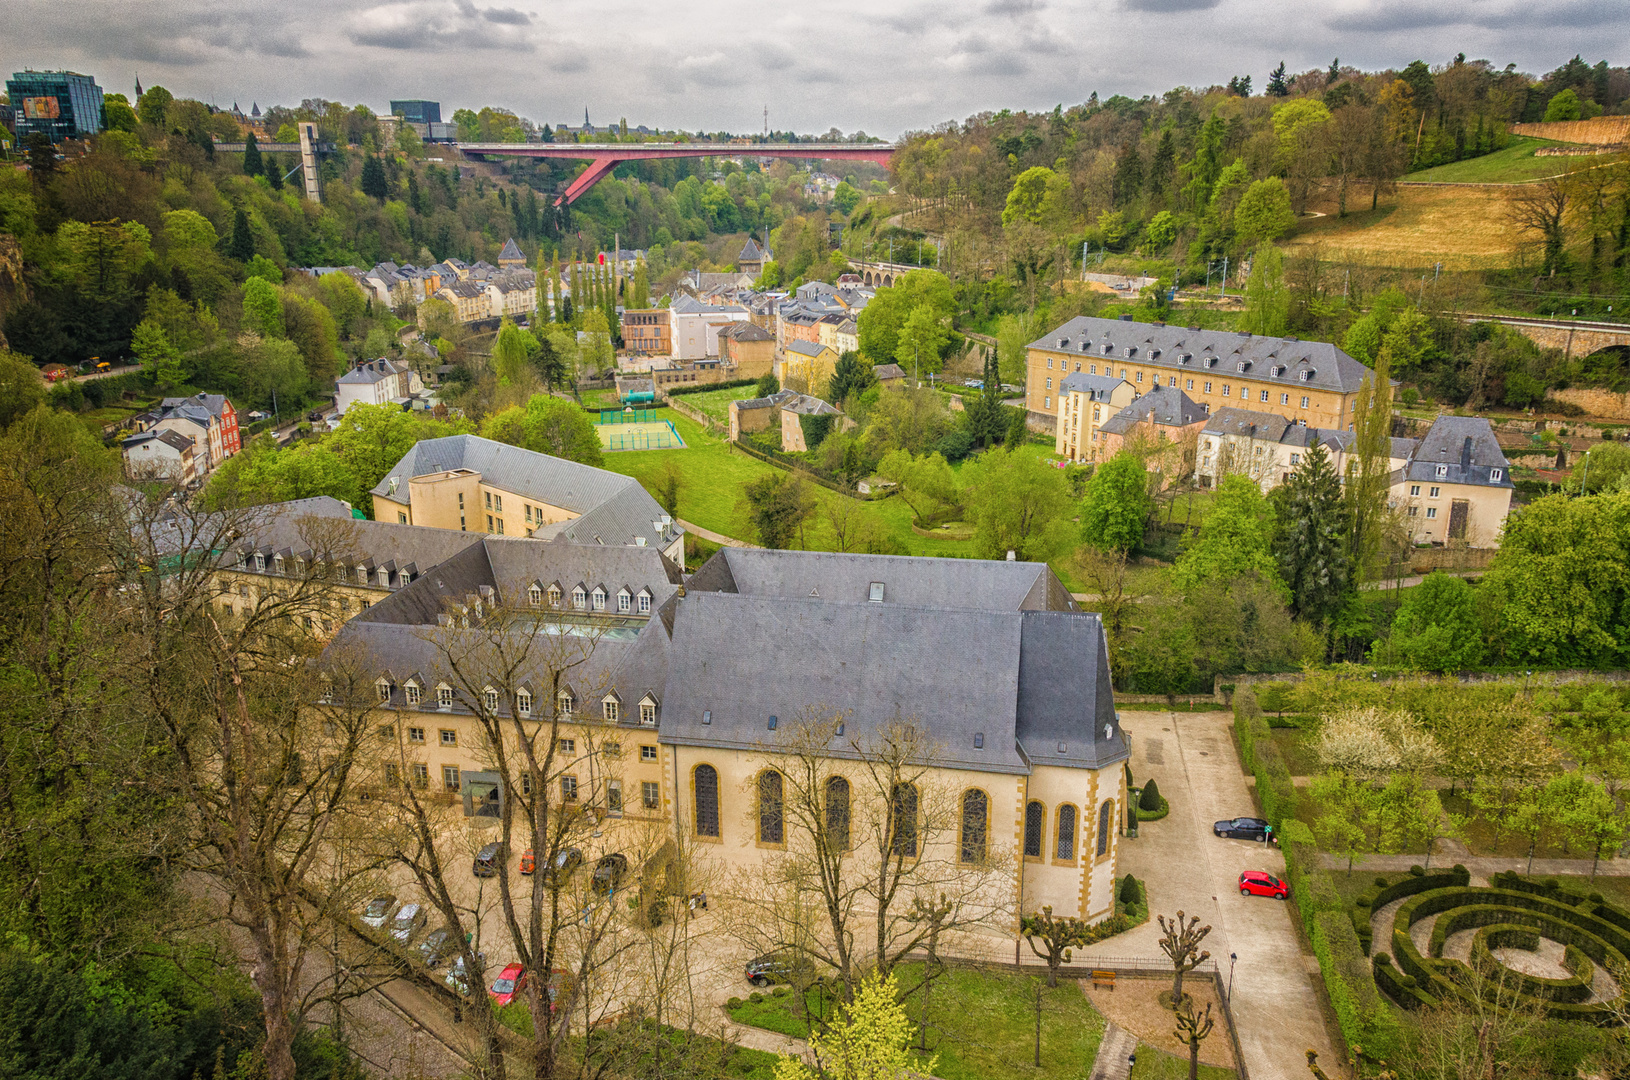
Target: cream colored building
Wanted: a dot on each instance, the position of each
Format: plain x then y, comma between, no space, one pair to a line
1313,382
989,661
471,484
1456,487
839,333
1085,401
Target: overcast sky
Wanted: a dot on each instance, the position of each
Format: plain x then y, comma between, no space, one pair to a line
886,66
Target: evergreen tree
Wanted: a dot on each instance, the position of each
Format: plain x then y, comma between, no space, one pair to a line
241,244
554,288
1128,173
576,300
1334,73
1276,82
251,157
851,376
274,172
985,415
1310,537
1366,489
373,182
414,202
1165,160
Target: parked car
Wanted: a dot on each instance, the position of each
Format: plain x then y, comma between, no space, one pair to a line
487,860
529,861
566,863
436,946
560,981
510,981
408,922
1261,883
976,384
379,911
609,872
776,967
457,979
1243,828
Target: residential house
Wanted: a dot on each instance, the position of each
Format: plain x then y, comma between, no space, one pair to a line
209,420
838,333
747,349
781,411
512,294
1456,487
808,362
1267,448
648,332
469,299
473,484
161,455
1313,382
377,382
1085,401
889,374
985,658
1165,419
793,436
695,326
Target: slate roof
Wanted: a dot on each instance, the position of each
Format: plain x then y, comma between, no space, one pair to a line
808,348
511,251
746,331
1167,407
751,252
213,404
1328,367
888,371
836,578
1466,446
1248,422
369,372
1096,387
174,440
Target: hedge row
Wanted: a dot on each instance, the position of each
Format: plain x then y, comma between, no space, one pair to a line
1577,987
1365,1018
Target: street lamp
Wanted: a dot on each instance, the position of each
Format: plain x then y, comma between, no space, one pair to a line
1233,958
1131,1061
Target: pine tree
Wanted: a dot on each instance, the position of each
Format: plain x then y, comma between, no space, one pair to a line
1276,82
241,244
373,182
554,288
1366,488
1334,73
1310,537
413,198
576,297
985,414
251,156
274,172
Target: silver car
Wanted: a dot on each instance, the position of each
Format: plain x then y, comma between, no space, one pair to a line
408,922
379,911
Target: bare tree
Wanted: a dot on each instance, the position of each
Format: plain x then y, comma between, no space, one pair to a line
1180,941
877,839
1541,208
1192,1028
1059,935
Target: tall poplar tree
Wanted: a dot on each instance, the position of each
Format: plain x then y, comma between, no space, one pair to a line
1369,469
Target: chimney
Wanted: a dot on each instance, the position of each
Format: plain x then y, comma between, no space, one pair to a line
1466,453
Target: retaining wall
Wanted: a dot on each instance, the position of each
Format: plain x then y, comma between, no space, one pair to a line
1602,131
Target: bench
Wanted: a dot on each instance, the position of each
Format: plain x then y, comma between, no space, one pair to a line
1103,979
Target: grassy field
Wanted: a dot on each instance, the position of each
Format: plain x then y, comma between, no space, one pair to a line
716,403
1464,228
1512,165
982,1025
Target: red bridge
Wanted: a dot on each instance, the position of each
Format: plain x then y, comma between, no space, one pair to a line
603,157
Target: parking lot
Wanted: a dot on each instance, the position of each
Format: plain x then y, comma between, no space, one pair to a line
1276,1004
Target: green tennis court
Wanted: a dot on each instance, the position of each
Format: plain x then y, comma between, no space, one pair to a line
650,435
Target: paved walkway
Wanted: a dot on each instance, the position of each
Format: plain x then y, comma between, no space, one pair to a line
1481,866
717,538
1185,867
1117,1045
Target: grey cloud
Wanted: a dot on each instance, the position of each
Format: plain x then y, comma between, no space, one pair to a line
1161,7
1013,7
1370,16
507,16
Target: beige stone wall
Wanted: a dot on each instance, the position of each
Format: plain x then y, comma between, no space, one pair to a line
1603,403
1073,885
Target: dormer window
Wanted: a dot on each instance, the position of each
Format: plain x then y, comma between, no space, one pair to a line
1496,474
625,602
612,709
384,578
523,702
1306,374
534,596
580,599
260,562
554,595
277,562
362,575
645,602
384,687
564,704
599,599
648,710
411,692
444,696
1442,470
489,700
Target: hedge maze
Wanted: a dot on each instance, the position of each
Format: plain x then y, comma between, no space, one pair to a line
1514,913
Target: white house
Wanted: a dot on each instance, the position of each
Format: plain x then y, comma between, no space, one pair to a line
376,382
161,454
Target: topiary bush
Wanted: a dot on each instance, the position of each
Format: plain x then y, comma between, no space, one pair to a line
755,997
733,1003
1150,799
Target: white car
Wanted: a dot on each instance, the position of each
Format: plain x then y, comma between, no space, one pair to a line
408,922
379,911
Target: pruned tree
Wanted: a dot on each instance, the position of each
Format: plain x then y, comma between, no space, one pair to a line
1192,1028
1180,941
1058,934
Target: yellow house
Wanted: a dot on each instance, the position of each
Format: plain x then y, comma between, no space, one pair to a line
1085,401
1456,487
809,361
1311,382
471,484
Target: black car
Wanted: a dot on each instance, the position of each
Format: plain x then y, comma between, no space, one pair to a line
487,860
609,872
776,967
1243,828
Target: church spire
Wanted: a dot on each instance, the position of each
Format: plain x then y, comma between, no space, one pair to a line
138,85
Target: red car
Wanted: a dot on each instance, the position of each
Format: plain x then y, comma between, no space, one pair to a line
529,862
510,982
1259,883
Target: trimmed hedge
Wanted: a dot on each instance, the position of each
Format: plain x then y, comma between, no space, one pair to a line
1360,1009
1575,988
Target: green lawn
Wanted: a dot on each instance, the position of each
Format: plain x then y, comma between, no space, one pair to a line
1514,164
1156,1064
716,403
981,1024
715,473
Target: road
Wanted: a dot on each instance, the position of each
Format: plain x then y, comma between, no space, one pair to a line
1184,866
110,373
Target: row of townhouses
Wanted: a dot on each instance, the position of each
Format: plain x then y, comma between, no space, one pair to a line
477,291
183,440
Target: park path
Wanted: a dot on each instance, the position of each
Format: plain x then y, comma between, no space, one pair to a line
1481,866
1117,1045
709,534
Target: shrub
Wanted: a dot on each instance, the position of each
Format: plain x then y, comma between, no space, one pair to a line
1384,959
1150,799
1364,901
755,997
733,1003
780,991
1417,870
1595,898
1131,890
1381,882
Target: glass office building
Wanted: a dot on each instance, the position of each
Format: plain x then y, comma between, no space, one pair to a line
59,104
418,112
